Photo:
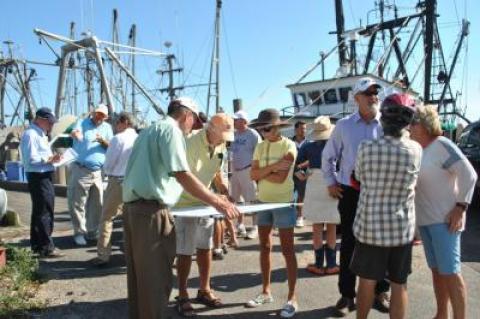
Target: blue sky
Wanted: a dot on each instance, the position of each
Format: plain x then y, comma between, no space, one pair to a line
266,44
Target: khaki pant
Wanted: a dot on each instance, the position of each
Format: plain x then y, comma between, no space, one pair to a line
149,254
112,207
85,197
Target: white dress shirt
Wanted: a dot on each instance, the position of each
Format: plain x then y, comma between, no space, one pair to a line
118,152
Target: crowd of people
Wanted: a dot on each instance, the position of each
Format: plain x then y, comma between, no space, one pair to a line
379,174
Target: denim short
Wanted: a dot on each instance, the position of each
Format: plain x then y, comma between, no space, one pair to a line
442,248
284,217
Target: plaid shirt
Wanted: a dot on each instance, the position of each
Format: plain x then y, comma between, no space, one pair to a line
387,170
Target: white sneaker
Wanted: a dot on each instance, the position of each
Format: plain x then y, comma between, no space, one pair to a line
259,300
79,240
241,230
289,309
300,222
252,233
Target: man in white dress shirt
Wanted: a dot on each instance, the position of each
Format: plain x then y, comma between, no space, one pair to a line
116,160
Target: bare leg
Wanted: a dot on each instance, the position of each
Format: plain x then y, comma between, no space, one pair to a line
184,263
231,230
204,262
399,301
317,230
265,237
441,295
365,296
458,294
331,235
218,235
288,251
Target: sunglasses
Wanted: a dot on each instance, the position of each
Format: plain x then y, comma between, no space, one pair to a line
371,93
266,129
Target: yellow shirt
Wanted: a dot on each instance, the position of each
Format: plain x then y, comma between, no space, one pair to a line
267,153
204,162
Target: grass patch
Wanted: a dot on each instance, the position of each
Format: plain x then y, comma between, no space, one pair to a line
20,282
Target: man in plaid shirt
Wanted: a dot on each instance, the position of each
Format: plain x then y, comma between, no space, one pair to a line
387,170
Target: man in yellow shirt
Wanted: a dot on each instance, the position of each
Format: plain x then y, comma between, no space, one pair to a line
206,155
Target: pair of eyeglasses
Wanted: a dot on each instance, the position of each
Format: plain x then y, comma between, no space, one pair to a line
266,129
372,93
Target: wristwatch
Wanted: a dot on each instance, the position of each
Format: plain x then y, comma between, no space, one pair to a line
462,205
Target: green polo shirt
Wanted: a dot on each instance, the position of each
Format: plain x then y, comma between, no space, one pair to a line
204,162
157,154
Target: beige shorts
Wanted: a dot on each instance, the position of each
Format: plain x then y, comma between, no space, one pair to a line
242,188
193,234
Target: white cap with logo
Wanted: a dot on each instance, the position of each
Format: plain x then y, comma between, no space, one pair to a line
364,84
188,103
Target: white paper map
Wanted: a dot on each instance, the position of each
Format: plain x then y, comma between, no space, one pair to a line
208,211
67,157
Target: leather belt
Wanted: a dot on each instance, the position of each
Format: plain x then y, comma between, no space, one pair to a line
241,169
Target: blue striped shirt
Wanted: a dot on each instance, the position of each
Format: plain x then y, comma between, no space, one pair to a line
343,144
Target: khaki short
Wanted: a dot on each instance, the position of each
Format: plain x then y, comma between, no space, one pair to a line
193,234
243,189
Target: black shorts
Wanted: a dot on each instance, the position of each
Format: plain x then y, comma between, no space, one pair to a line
378,263
299,187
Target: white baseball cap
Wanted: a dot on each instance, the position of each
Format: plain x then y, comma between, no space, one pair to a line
240,115
102,108
187,102
364,84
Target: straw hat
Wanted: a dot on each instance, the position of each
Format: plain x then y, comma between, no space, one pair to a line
268,118
322,128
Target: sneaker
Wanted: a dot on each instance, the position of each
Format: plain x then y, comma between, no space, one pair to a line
300,222
217,254
55,253
344,305
252,233
289,309
98,262
259,300
382,302
241,230
79,240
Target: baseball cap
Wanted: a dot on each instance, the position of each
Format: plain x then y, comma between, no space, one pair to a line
47,114
364,84
101,108
240,115
223,123
399,100
187,102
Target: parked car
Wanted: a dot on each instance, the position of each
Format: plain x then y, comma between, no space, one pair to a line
469,143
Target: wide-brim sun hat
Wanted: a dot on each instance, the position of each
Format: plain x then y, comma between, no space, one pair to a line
322,128
268,118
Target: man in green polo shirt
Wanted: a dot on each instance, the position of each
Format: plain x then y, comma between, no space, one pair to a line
157,173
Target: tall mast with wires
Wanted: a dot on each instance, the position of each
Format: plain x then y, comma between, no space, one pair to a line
215,63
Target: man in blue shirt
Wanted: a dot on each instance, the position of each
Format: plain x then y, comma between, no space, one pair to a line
85,189
342,148
37,158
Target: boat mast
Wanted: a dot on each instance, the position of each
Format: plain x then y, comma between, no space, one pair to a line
340,19
215,63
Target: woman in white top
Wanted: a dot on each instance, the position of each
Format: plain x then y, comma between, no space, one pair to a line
444,189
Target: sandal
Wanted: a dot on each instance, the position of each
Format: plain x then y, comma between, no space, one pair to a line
312,268
208,299
184,307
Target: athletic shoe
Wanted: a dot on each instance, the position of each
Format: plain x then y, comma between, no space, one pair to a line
241,230
382,302
300,222
252,233
289,309
217,254
344,305
259,300
55,253
79,240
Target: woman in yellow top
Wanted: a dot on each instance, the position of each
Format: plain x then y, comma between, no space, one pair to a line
272,169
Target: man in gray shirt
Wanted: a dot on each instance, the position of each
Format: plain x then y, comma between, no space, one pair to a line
242,187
